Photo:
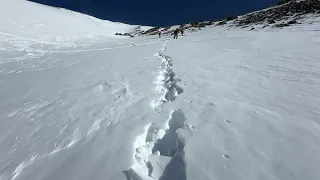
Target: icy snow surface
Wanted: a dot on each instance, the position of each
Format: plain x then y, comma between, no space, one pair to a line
215,104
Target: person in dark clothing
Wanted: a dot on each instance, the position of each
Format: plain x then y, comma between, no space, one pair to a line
175,34
159,34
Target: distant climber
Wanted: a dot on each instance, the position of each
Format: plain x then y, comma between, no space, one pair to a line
182,31
159,34
175,34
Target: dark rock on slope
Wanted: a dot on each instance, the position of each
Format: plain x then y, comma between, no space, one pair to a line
286,10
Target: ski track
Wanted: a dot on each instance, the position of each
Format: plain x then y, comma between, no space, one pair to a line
161,144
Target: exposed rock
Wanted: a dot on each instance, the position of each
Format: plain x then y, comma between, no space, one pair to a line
154,33
271,21
155,29
244,26
281,25
284,1
292,22
221,23
231,18
125,34
195,24
289,8
166,28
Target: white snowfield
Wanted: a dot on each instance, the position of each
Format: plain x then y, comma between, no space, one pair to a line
216,104
24,23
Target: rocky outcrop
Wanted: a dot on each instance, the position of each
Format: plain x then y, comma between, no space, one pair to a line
152,30
284,1
125,34
277,13
286,10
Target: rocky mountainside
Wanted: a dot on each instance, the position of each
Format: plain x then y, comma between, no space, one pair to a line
281,12
286,13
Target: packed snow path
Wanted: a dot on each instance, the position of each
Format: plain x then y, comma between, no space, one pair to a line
216,104
154,147
166,81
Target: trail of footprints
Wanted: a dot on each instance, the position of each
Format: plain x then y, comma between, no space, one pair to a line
172,90
170,143
166,82
159,142
162,144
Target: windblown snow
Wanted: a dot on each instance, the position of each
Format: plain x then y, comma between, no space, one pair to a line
80,103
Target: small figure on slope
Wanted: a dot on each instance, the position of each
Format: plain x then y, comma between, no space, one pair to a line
175,34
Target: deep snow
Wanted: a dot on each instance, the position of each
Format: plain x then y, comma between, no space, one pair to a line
215,104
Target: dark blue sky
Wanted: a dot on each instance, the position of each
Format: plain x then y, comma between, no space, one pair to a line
160,13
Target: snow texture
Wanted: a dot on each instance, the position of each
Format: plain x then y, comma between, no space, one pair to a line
215,104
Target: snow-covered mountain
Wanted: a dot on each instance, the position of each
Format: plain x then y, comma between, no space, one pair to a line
223,103
23,19
285,14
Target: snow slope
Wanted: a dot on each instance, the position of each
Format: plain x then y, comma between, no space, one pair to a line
253,97
215,104
22,19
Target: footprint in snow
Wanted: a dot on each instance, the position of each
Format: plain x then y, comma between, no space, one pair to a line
226,156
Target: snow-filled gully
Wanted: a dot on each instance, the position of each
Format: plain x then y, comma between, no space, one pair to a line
159,152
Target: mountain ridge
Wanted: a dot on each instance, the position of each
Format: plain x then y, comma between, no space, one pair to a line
285,13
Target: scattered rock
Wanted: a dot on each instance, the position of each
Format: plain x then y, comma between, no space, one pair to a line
292,22
271,21
221,23
284,1
286,9
245,26
125,34
281,25
155,29
195,24
231,18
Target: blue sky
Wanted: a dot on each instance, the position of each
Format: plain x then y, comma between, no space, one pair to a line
160,13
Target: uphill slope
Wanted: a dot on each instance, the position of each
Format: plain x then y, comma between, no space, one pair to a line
215,104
